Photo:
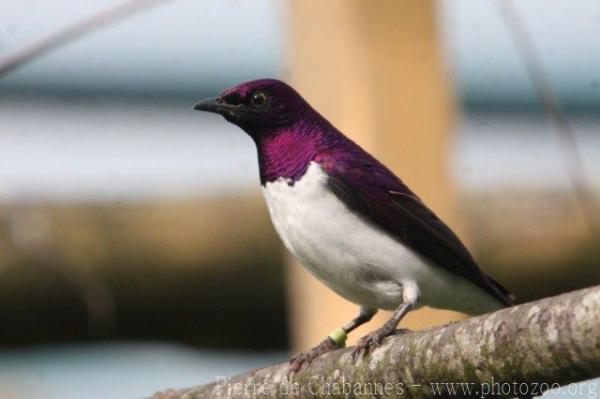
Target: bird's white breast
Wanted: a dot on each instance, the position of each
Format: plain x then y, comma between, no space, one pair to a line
337,246
350,255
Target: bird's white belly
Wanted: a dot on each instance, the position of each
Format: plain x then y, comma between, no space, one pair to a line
358,260
352,257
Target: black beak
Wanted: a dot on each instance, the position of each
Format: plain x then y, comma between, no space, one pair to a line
213,104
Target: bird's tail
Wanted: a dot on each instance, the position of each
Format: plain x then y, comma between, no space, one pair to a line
502,294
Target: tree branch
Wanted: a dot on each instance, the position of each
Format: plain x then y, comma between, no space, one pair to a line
542,344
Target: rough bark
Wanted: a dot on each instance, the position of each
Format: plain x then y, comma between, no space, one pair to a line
520,350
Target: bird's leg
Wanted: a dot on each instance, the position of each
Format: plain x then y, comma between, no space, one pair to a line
374,338
336,339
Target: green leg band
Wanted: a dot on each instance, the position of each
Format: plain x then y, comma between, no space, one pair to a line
339,336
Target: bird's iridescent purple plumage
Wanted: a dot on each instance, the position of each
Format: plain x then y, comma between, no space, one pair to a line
290,134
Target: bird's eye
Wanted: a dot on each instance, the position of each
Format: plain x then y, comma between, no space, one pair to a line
258,99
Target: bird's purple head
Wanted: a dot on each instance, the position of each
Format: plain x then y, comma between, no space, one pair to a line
288,133
258,107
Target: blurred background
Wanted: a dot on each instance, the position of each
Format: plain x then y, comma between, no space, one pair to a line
136,253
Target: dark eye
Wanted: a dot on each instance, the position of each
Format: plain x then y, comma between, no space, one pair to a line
258,99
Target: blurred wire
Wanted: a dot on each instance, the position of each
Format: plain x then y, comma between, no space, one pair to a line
95,293
571,154
73,32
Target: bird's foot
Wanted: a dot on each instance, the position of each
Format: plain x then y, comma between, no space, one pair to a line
300,359
367,343
374,339
401,331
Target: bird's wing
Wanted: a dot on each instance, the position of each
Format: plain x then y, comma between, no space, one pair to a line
375,193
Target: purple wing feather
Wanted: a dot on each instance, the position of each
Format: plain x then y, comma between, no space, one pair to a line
370,189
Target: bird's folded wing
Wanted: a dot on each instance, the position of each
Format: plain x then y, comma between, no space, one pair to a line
372,191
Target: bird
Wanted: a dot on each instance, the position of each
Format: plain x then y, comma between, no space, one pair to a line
350,220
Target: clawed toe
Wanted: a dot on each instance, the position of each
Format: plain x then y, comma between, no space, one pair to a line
373,340
300,359
297,361
367,343
401,331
